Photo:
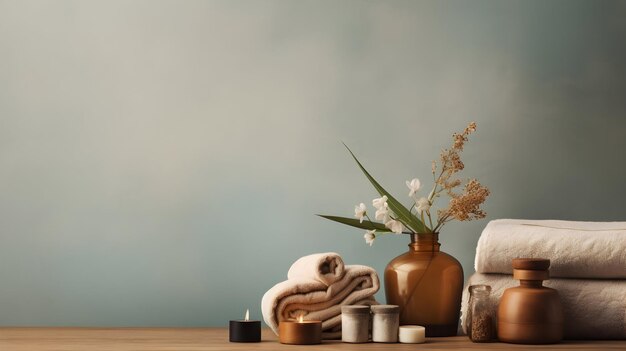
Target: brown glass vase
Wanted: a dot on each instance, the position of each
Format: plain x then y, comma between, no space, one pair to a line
427,285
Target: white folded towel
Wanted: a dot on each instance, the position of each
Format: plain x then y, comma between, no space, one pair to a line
320,298
593,308
575,249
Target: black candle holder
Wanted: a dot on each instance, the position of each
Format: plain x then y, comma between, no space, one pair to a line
244,331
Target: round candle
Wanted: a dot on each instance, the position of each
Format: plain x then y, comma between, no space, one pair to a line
244,330
300,332
412,334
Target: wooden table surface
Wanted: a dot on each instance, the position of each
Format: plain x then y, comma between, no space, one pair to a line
182,339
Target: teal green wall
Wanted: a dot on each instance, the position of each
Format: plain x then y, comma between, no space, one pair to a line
161,162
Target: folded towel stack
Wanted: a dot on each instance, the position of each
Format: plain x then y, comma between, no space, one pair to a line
316,287
588,268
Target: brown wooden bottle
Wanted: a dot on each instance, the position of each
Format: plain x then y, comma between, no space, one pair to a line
530,313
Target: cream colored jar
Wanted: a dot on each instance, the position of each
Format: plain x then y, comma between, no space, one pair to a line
355,323
386,320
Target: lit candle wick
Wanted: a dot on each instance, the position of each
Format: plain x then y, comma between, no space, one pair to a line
247,315
300,319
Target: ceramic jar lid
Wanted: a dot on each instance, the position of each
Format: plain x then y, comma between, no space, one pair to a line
376,309
355,309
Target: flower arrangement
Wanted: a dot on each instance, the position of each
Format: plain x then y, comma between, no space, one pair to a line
420,217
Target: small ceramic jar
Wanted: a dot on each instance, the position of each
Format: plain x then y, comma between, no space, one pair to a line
355,323
386,321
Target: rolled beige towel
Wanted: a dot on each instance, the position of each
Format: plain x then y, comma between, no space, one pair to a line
575,249
316,288
324,267
593,308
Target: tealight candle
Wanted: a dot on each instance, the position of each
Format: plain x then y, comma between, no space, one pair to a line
412,334
300,332
245,330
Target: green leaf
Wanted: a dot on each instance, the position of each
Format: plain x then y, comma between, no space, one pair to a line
402,213
353,222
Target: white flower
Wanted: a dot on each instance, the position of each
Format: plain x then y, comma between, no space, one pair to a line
394,226
382,214
423,205
380,202
382,208
369,237
413,185
360,211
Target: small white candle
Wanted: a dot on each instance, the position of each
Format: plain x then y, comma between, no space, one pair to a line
412,334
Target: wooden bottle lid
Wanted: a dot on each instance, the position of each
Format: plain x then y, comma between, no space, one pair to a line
531,264
527,274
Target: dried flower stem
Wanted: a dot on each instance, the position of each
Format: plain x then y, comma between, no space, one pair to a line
464,206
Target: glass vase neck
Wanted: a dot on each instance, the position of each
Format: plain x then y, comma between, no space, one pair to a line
425,242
